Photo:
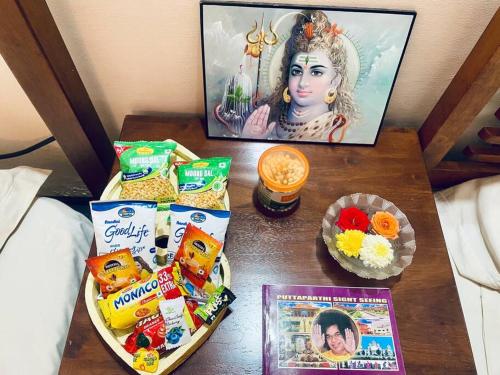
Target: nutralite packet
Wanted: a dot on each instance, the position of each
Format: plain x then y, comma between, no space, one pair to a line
126,224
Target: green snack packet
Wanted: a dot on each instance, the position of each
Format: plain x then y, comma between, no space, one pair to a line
202,182
218,301
145,167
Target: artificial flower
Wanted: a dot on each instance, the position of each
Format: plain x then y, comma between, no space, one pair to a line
353,218
385,224
350,242
376,251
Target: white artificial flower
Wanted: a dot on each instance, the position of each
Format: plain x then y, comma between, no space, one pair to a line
376,251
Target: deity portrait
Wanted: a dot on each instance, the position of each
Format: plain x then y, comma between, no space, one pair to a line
303,75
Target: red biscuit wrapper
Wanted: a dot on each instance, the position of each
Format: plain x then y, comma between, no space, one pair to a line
148,333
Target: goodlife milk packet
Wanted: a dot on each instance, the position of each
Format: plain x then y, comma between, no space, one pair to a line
126,224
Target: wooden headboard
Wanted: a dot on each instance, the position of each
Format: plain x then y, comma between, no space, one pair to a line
470,90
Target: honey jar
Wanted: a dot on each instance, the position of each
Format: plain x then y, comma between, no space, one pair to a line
283,171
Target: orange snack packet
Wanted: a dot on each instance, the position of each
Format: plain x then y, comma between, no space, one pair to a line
114,271
196,254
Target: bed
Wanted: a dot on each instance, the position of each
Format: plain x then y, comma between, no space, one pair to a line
43,245
470,212
470,217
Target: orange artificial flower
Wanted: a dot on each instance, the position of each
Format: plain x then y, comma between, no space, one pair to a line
385,224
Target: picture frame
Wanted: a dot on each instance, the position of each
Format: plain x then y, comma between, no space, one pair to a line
299,73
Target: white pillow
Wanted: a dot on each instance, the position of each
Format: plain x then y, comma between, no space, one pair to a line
18,188
41,266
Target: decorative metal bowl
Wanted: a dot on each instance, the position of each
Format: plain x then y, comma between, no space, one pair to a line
404,246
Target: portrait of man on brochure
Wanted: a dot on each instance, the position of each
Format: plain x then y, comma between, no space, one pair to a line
335,335
303,75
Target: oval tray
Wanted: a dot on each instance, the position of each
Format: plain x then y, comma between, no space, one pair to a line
115,338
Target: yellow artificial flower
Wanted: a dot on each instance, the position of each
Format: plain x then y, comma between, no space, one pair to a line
350,242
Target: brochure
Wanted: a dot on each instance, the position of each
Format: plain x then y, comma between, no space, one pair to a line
321,330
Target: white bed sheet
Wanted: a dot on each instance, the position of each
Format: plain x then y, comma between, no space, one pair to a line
41,266
470,218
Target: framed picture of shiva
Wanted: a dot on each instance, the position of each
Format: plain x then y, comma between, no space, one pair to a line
292,73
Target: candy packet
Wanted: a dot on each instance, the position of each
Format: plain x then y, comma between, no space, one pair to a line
114,271
217,302
126,224
192,305
148,333
197,254
213,222
145,171
146,360
202,182
193,291
178,332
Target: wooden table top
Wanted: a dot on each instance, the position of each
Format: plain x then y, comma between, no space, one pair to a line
263,250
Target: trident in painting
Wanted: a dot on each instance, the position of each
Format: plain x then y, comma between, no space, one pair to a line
256,41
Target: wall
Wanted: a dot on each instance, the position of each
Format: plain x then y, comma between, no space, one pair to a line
144,57
20,127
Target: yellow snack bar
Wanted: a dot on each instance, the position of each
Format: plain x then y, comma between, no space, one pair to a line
146,360
178,279
126,307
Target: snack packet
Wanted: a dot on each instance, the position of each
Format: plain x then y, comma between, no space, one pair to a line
168,278
192,305
197,254
213,222
215,305
146,360
199,294
126,224
126,307
148,333
145,171
114,271
178,332
202,182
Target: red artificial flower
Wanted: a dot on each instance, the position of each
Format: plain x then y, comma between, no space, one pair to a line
353,218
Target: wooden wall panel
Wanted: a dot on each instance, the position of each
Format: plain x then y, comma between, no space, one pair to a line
34,50
472,87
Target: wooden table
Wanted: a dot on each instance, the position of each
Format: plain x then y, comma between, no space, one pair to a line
263,250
